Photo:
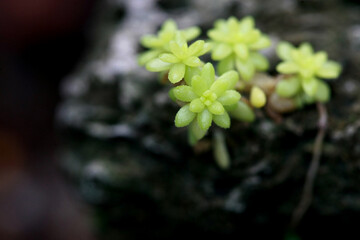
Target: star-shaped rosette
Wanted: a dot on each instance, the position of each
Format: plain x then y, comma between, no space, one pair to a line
159,43
305,68
236,46
206,97
180,59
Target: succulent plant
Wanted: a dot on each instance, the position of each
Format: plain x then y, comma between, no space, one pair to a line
180,58
206,97
305,68
160,43
236,46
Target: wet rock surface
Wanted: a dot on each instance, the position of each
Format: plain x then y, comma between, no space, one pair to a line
142,178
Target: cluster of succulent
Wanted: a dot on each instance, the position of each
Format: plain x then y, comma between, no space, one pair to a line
206,97
304,69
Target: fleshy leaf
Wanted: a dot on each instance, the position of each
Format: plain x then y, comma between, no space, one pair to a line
224,82
208,74
259,61
168,57
177,72
310,86
221,51
156,65
204,119
222,120
191,33
241,51
283,50
288,88
330,69
147,56
184,93
306,49
190,72
323,92
216,108
196,48
225,65
257,97
193,61
287,67
199,85
197,105
263,42
229,97
184,116
243,112
246,69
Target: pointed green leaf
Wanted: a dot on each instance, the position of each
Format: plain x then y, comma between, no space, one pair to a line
216,108
156,65
193,61
191,33
288,88
246,69
243,112
221,51
246,24
184,93
208,74
323,92
225,65
196,131
197,105
230,97
287,67
259,61
222,120
196,47
310,86
176,49
329,70
148,56
199,85
283,50
225,82
190,72
241,51
150,41
184,116
207,47
204,119
177,72
168,57
320,58
306,49
169,25
262,42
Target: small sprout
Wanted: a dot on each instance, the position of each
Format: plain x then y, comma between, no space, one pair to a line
257,97
236,46
160,43
180,58
206,98
306,67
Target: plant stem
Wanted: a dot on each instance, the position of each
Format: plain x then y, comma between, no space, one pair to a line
307,194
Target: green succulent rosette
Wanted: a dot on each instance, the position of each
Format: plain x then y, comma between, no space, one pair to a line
236,46
159,43
205,99
180,59
305,69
